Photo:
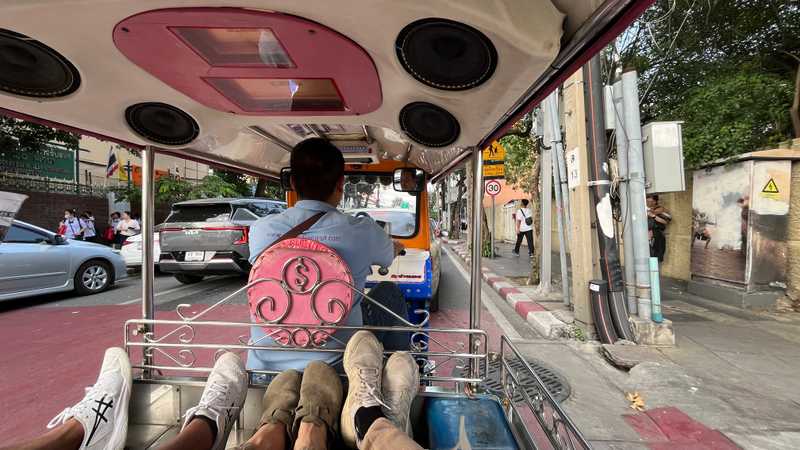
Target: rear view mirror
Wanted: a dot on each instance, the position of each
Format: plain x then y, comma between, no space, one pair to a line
286,178
409,180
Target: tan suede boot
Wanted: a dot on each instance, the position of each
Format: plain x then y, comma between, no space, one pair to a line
321,397
280,402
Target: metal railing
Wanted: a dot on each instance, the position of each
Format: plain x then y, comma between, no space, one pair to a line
560,431
18,183
193,341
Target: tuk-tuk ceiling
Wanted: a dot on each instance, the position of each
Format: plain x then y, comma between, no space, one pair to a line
526,35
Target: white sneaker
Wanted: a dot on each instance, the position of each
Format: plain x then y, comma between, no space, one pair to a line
223,397
103,412
363,364
400,386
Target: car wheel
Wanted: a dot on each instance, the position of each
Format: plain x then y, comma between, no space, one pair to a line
433,306
93,277
185,278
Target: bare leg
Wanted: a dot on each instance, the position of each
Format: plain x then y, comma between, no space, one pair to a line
198,435
68,436
271,436
311,436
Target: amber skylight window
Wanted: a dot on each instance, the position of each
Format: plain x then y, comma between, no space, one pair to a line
236,46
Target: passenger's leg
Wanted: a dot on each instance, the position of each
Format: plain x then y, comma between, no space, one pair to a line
321,396
98,421
208,424
383,434
529,240
519,242
390,296
370,397
68,436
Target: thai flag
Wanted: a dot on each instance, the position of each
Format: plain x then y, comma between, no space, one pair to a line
113,164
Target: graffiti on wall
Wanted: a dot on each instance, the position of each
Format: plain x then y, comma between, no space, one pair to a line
739,220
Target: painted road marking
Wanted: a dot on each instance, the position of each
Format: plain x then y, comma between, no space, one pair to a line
170,291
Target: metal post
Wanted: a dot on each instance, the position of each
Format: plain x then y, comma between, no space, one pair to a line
475,267
562,197
558,152
546,205
148,270
491,235
636,193
625,204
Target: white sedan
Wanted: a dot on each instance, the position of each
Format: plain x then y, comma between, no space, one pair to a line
132,250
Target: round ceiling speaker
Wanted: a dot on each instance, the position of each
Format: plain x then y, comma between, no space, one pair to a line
429,124
446,54
162,123
32,69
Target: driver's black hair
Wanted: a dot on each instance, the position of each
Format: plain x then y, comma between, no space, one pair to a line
524,202
317,165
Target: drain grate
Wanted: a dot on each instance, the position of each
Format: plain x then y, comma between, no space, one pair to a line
553,380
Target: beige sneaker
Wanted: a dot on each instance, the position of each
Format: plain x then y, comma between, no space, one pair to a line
400,386
363,364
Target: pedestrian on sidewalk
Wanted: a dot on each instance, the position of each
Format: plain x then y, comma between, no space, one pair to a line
87,227
70,227
524,227
657,220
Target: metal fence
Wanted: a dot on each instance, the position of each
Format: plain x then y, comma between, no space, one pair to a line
25,184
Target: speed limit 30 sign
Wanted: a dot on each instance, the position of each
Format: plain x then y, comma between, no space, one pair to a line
493,187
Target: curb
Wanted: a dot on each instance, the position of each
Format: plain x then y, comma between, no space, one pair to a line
537,316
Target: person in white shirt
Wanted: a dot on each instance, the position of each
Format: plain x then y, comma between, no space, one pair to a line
87,227
127,226
524,222
71,225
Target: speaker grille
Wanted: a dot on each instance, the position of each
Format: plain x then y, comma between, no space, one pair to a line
32,69
429,124
162,123
446,54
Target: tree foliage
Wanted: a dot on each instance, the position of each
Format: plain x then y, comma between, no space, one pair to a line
20,135
700,61
170,190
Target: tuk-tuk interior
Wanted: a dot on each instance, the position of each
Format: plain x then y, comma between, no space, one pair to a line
237,84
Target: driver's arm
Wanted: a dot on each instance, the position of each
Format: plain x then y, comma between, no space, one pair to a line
381,247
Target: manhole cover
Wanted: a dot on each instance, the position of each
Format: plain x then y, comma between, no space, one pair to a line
553,380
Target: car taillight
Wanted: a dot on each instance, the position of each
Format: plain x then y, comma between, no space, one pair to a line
245,237
126,242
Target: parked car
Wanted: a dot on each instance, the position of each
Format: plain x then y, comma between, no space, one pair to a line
36,261
210,236
131,251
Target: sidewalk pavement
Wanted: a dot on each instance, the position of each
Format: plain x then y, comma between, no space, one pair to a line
731,381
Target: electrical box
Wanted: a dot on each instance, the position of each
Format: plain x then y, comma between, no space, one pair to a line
662,144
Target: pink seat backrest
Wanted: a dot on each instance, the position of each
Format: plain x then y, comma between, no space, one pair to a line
304,283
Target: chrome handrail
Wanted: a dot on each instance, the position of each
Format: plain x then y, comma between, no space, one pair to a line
557,425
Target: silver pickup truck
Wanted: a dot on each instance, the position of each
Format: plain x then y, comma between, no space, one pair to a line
210,236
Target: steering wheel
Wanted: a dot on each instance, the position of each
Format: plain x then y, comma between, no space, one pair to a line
362,214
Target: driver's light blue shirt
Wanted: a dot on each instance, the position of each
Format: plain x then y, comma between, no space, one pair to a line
358,240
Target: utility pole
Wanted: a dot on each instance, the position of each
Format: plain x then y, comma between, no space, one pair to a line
601,189
636,189
546,205
625,204
553,135
584,264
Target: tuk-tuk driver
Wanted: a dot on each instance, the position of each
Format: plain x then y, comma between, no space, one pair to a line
317,176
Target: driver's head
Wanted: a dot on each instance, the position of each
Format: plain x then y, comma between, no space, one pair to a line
317,171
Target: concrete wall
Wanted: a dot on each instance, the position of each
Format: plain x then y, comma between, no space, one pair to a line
677,260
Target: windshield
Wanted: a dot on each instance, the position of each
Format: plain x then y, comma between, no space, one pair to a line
373,195
200,213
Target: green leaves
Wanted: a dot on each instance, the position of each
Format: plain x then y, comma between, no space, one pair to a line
169,190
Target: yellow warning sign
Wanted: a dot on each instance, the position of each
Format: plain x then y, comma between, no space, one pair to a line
494,171
770,187
494,152
770,190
